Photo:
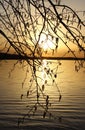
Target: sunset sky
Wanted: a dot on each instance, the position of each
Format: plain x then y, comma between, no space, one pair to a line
77,5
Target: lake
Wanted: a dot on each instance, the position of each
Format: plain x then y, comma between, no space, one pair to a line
71,108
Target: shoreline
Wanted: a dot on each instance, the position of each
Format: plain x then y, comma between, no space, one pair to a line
5,56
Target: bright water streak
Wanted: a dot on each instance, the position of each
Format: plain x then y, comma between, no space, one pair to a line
71,108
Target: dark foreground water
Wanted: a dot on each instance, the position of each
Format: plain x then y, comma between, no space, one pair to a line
71,108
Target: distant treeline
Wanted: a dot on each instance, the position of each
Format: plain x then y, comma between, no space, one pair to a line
5,56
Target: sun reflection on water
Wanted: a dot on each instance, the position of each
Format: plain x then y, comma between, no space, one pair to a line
48,77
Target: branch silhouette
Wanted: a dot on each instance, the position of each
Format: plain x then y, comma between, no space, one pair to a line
33,31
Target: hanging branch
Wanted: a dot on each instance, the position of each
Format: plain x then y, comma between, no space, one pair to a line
32,30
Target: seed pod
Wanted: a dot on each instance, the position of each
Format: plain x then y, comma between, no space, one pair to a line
43,87
27,93
35,107
55,75
45,81
21,96
44,114
60,97
57,39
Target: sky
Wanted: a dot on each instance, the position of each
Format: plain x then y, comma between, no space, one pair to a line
75,4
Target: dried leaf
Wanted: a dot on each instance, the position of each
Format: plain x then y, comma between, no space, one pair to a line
55,75
38,95
59,1
77,68
78,23
52,51
19,122
34,69
60,96
56,1
68,19
73,16
83,13
22,84
80,26
35,107
53,80
60,119
48,71
56,46
47,97
45,81
44,114
52,37
21,96
43,87
27,93
59,63
57,39
50,115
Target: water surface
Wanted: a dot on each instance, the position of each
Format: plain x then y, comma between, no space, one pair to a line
71,108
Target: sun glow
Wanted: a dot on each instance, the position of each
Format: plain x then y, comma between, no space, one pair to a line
46,42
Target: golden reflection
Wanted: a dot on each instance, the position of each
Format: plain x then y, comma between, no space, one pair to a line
43,74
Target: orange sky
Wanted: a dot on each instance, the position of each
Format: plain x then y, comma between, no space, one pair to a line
62,50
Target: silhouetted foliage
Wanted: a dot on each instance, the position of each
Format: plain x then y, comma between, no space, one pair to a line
28,28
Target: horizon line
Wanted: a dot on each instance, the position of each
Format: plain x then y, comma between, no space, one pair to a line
5,56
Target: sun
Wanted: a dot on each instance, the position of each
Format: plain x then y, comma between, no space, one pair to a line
46,42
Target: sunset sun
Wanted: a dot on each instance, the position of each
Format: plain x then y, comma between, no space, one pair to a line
42,64
46,42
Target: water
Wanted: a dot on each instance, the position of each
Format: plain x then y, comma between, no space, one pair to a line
71,108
